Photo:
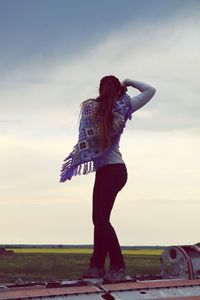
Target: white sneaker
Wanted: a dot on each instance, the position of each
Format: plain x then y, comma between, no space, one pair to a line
115,275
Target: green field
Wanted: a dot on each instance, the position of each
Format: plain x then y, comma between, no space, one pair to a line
84,251
35,264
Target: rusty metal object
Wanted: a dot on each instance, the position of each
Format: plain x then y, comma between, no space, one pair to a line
181,262
179,279
130,290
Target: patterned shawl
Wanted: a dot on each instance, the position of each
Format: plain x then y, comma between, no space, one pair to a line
87,154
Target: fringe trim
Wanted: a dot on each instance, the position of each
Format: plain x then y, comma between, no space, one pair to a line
67,171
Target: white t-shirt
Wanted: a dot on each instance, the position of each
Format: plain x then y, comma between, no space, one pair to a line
147,92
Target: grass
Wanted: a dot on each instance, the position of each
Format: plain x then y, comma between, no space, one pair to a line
53,264
83,251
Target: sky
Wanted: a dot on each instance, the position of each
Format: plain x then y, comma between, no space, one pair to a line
53,54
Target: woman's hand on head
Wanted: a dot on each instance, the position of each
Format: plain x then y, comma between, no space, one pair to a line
126,82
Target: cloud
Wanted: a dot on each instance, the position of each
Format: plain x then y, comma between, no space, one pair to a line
165,55
40,100
44,104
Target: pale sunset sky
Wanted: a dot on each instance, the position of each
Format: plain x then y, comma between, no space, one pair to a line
52,55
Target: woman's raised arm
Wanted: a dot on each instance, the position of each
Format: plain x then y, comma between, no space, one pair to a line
147,92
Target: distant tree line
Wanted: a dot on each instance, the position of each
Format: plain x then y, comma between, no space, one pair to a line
84,246
13,246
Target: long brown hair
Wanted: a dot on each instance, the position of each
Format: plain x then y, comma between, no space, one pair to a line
110,89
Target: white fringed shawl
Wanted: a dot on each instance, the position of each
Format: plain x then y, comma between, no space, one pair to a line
87,154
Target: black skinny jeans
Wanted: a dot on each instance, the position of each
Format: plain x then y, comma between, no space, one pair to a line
109,180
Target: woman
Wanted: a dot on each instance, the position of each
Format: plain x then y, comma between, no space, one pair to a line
102,122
